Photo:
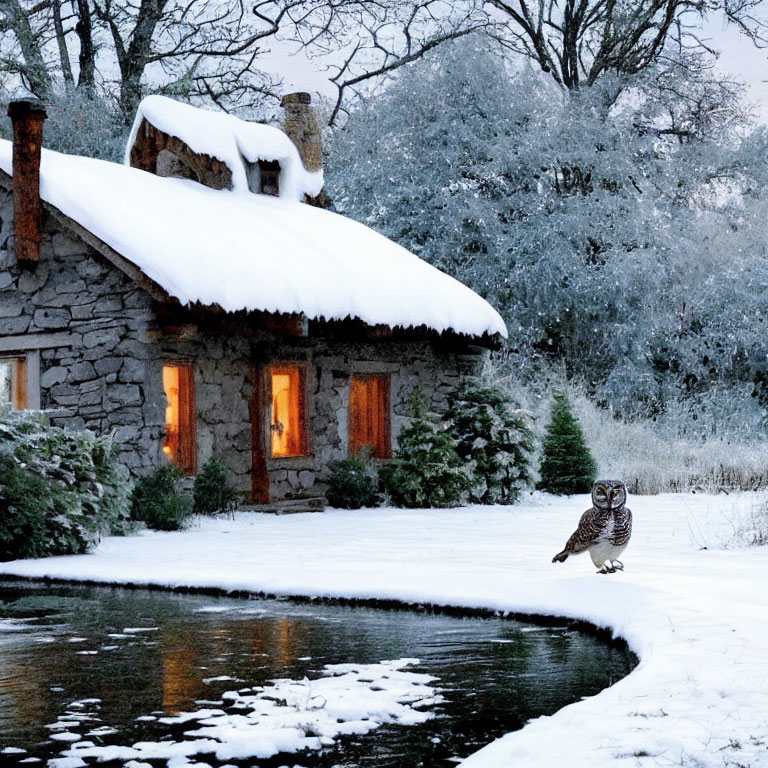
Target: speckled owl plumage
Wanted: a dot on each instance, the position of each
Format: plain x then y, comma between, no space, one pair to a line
604,529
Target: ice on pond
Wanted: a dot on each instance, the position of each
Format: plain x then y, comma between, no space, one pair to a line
292,715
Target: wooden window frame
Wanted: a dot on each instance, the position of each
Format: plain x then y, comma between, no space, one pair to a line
355,436
281,368
25,384
186,460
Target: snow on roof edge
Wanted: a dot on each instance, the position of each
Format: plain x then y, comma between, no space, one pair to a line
281,256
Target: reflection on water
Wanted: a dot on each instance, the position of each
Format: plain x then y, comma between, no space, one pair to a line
142,654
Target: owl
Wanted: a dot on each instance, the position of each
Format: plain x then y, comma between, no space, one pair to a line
604,530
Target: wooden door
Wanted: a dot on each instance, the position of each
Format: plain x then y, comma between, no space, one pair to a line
259,404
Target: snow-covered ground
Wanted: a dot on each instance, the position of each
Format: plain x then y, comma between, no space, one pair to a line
695,613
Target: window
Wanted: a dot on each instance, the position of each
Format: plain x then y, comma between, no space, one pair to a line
180,443
13,382
369,420
288,428
264,177
270,177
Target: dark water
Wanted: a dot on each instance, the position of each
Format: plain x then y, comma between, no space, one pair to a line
65,644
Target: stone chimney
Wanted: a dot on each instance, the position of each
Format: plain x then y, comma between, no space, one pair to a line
300,124
27,116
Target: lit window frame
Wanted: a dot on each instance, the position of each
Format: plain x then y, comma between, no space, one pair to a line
298,368
359,428
185,457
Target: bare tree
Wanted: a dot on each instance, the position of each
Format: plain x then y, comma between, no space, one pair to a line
192,48
30,26
365,41
211,50
577,41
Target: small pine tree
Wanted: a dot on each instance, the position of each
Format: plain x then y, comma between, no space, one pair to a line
353,484
426,470
567,465
159,500
212,492
491,431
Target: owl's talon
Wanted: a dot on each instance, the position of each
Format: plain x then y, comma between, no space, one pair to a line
617,565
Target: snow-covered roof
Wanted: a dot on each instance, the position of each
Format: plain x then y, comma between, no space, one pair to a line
231,140
256,252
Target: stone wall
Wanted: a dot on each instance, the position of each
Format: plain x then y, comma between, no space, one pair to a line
91,328
330,364
223,389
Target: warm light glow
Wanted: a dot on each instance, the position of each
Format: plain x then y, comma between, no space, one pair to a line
182,678
172,411
287,418
180,444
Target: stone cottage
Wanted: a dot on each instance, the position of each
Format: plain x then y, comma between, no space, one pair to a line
199,300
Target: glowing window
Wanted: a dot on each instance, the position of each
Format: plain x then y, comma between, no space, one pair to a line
288,427
180,444
369,419
13,382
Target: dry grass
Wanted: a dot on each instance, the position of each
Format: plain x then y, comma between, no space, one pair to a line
651,459
751,530
660,457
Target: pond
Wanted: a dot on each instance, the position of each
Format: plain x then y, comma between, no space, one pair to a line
119,675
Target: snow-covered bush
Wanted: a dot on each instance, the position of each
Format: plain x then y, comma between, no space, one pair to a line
426,470
60,490
493,433
80,123
353,484
83,123
160,501
566,465
752,529
213,493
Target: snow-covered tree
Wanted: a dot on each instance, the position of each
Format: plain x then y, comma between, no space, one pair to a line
493,434
567,466
426,470
613,226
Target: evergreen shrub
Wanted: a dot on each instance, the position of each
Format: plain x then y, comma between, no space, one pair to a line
353,484
426,471
213,493
492,433
60,490
159,500
566,465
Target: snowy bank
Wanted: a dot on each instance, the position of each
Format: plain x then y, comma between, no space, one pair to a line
696,617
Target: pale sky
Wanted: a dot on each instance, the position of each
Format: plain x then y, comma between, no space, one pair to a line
739,57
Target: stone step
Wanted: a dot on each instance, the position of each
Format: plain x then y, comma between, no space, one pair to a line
287,506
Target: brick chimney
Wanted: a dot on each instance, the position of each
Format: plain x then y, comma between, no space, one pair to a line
300,124
27,116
